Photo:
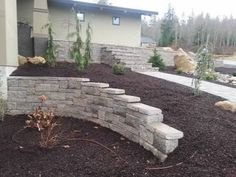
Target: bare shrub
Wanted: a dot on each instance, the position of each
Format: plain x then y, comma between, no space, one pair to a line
46,124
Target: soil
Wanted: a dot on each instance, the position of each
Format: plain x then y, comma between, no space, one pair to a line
207,149
172,70
226,70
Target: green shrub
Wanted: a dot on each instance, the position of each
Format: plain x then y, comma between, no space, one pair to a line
3,107
205,65
179,71
211,76
81,61
51,51
157,61
118,69
88,50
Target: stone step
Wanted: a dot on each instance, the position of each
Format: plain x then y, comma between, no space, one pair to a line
164,131
119,51
127,98
145,109
147,65
125,54
143,69
134,62
129,58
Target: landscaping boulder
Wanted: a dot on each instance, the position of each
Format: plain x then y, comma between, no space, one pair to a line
184,62
226,105
22,60
168,49
35,60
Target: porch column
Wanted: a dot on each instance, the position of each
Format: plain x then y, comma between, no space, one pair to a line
40,19
8,41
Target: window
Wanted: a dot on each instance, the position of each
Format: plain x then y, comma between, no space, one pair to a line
116,20
81,16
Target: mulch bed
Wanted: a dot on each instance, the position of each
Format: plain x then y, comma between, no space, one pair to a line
209,134
226,70
172,70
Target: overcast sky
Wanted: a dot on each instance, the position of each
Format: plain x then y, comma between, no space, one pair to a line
213,7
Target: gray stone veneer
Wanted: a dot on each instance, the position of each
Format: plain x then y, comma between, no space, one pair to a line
145,53
5,71
96,102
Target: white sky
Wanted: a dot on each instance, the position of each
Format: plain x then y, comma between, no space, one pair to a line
213,7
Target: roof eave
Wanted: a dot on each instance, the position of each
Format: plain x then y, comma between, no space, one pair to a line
100,6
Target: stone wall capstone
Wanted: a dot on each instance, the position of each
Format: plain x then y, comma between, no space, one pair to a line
96,102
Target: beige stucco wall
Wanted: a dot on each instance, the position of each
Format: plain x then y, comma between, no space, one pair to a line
8,42
128,33
25,11
35,13
8,33
40,18
2,34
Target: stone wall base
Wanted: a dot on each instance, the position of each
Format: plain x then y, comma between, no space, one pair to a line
5,71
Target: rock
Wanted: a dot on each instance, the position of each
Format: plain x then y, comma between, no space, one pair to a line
168,49
36,60
22,60
226,105
184,62
232,79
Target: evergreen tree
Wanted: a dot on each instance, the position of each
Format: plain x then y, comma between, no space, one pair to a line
168,27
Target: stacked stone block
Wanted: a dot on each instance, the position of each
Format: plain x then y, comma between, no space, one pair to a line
96,102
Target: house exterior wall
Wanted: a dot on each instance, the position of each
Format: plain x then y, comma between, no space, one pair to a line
8,41
2,33
8,33
104,32
25,11
40,18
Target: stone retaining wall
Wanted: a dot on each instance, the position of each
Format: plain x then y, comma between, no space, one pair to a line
145,53
5,71
96,102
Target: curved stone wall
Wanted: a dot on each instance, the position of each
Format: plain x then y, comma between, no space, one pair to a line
96,102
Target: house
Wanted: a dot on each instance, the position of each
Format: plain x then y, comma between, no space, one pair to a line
148,42
111,25
21,31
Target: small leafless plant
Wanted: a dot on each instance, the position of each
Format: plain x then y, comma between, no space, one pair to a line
46,124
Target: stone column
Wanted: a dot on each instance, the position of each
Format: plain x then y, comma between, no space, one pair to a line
40,19
8,41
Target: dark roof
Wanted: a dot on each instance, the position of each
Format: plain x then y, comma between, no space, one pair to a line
106,7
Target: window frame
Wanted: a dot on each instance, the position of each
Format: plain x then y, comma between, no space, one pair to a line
83,16
113,18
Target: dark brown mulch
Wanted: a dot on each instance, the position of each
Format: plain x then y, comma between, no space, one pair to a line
210,133
226,70
80,159
172,70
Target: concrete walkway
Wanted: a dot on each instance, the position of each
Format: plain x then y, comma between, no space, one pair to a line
225,92
229,63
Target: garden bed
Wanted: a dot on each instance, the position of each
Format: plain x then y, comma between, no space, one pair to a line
172,70
208,148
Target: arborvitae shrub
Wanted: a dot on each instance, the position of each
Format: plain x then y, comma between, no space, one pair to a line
157,61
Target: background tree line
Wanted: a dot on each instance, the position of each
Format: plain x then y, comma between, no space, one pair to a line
191,32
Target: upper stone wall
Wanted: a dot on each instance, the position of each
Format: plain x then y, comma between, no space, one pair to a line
96,102
145,53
